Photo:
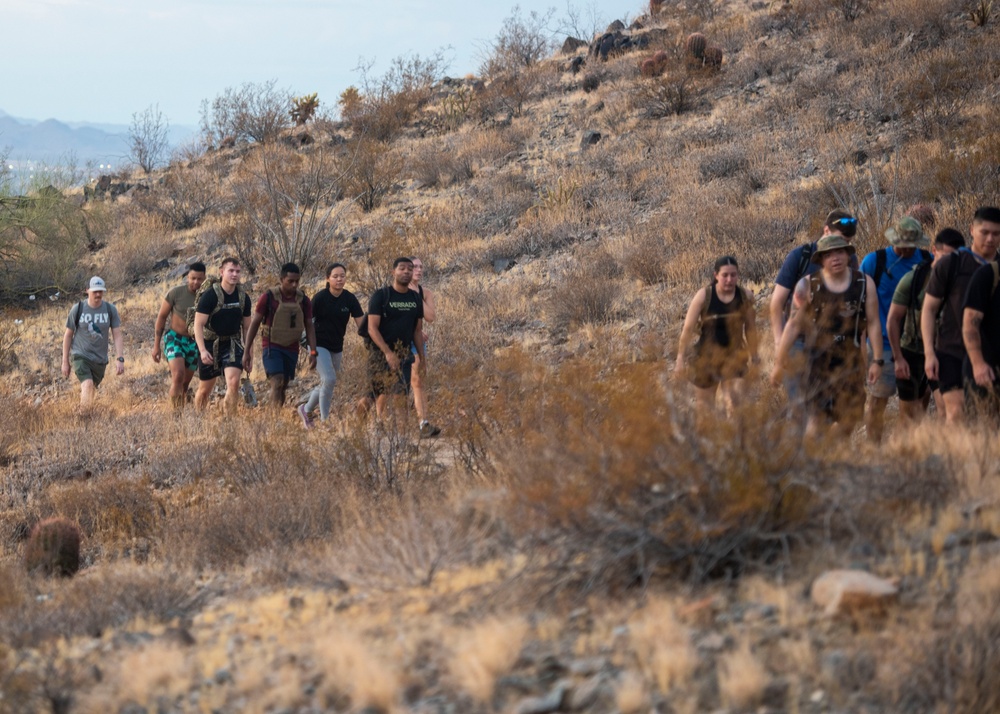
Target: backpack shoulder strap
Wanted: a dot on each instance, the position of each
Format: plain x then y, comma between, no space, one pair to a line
996,276
804,257
79,312
925,255
920,274
881,257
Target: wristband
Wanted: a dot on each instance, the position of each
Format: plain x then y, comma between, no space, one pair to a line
880,362
313,353
121,359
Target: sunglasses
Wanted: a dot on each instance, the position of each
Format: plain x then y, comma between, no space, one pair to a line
846,222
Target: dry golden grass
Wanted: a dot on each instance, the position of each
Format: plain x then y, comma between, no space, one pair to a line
483,652
662,646
742,678
572,473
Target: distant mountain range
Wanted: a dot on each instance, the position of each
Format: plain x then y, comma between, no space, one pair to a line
54,142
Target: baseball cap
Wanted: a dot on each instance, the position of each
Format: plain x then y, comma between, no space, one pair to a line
97,285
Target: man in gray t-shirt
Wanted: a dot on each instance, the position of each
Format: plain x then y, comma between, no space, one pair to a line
90,325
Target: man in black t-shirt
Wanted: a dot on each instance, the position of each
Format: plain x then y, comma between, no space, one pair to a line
981,333
944,348
395,320
219,332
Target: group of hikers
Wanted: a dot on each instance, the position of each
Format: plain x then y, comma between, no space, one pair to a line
208,326
918,317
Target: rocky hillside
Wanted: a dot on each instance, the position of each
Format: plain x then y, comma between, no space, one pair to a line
577,540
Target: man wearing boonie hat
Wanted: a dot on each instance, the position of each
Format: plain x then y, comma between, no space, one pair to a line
89,326
798,264
907,248
835,309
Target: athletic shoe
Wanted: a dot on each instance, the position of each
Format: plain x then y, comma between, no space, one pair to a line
428,430
306,421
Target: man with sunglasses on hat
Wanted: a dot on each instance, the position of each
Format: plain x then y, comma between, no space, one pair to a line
797,265
907,248
947,288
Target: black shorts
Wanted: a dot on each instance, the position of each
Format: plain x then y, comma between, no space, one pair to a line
982,401
915,388
950,375
383,379
228,353
710,368
835,389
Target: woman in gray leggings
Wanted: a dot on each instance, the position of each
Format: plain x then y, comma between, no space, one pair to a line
333,308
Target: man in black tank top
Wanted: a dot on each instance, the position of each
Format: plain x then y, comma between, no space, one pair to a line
838,307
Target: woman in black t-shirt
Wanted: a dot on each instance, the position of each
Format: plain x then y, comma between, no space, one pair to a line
724,317
333,308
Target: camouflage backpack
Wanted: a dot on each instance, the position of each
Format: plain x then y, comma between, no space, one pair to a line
212,283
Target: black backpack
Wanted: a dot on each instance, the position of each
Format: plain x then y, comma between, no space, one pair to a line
363,327
882,257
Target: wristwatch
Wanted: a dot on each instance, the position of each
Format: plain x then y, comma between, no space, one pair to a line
121,359
880,361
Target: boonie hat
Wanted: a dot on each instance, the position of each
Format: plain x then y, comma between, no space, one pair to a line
907,233
829,243
97,285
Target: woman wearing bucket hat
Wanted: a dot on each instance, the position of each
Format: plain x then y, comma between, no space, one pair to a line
839,308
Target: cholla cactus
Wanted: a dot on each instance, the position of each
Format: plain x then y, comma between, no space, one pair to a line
53,548
303,108
696,44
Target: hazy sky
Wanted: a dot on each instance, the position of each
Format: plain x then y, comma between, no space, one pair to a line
102,60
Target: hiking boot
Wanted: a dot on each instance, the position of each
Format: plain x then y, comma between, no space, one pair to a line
428,430
307,422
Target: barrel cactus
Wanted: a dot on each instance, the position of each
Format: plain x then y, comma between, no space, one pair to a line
696,44
53,548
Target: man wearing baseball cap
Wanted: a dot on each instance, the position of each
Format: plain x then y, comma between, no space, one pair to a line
907,248
90,325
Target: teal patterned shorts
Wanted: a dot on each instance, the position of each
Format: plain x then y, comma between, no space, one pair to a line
178,346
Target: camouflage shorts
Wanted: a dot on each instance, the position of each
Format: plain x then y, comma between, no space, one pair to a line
178,346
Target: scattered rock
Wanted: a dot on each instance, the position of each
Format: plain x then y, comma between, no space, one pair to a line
587,667
502,265
616,26
576,64
161,264
848,673
590,138
591,692
845,591
571,45
775,695
551,702
179,635
966,537
713,642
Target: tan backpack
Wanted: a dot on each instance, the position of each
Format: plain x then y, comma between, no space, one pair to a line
284,322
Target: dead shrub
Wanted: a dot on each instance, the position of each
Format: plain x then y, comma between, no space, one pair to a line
939,89
368,168
106,598
954,672
289,208
53,548
433,165
585,295
635,490
138,241
109,510
674,92
184,197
